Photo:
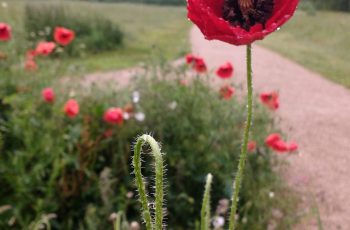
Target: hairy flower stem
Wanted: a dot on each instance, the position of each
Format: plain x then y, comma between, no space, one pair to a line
117,222
205,212
243,156
157,223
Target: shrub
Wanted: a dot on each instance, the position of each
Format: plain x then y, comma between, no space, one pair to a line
78,171
94,33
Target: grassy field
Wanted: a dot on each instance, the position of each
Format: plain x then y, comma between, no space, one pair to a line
320,43
148,30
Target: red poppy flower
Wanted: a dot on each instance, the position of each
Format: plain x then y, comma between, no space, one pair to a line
5,32
270,100
71,108
272,138
280,146
45,48
251,146
30,65
240,22
275,142
199,65
31,54
227,92
190,58
292,147
48,95
114,116
63,36
225,71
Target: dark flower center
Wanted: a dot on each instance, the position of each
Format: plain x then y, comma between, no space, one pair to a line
247,13
65,35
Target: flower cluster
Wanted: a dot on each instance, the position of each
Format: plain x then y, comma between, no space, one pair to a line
62,36
197,63
225,71
112,116
227,91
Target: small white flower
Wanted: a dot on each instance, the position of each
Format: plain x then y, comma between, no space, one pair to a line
4,4
135,226
129,194
140,116
72,93
218,222
32,34
48,30
59,50
113,216
276,213
222,207
126,116
172,105
41,33
271,195
136,97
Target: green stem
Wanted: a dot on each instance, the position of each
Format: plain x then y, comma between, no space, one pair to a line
243,156
117,221
158,222
205,212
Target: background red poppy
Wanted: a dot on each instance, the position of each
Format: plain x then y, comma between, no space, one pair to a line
5,32
63,36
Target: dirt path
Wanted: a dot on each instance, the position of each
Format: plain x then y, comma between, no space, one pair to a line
314,111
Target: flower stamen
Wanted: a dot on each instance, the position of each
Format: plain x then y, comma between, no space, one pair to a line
245,4
247,13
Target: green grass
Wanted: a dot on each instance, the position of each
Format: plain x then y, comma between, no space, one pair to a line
320,43
148,29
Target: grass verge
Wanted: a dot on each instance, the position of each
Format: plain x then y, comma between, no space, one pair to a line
148,29
319,42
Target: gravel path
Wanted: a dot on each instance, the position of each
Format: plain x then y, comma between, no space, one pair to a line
314,111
